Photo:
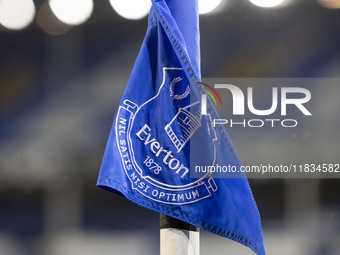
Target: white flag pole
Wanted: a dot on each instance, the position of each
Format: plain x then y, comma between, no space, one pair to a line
178,237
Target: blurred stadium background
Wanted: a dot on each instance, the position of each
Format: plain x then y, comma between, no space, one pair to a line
61,80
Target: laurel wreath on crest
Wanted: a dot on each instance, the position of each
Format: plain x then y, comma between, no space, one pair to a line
181,96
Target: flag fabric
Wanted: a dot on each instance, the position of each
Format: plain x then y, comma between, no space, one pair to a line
147,158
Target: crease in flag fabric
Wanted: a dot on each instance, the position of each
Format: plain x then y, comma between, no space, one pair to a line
159,133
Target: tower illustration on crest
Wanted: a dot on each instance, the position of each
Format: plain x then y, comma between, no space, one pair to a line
189,120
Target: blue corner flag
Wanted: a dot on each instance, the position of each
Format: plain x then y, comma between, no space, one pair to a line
147,158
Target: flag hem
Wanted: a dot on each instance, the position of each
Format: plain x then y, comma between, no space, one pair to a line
117,188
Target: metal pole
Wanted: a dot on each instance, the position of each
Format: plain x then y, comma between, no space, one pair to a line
178,237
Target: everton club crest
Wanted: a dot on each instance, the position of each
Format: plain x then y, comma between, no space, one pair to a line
158,140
